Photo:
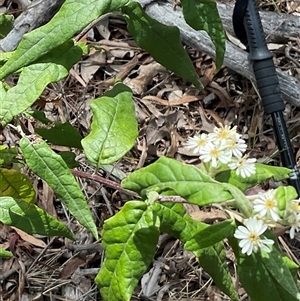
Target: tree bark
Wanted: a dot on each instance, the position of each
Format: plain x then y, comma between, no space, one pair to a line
235,58
278,28
34,15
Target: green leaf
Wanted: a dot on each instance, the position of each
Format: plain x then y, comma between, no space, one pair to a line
210,236
40,116
285,194
174,177
263,172
69,158
263,277
161,41
292,266
281,275
48,165
241,201
5,254
16,185
30,218
61,134
176,222
204,15
7,154
2,90
34,79
129,239
214,261
73,16
6,24
114,127
4,56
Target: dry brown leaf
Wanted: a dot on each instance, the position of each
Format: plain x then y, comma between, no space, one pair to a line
206,125
71,266
146,74
29,238
215,116
221,93
182,100
210,216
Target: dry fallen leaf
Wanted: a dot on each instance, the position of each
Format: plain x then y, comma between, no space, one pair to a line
29,238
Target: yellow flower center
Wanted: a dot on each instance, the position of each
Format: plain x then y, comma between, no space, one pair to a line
214,153
295,206
242,162
253,237
223,134
270,203
201,142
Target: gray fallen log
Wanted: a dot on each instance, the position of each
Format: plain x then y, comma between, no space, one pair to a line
34,15
277,28
235,58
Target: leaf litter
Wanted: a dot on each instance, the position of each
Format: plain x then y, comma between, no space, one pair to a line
169,110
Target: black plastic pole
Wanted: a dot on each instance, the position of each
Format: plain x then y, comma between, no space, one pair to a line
269,89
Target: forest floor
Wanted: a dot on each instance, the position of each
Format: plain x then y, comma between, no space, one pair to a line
169,110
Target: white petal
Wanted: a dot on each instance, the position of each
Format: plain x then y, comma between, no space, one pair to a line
292,232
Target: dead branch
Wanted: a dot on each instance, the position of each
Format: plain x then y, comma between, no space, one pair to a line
34,15
235,58
278,28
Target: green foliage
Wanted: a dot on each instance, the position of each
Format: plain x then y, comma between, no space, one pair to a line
161,41
6,24
176,222
48,165
72,17
269,280
213,260
201,15
129,239
30,218
263,172
46,55
173,177
69,158
5,254
17,185
210,235
34,79
114,127
7,154
285,194
61,134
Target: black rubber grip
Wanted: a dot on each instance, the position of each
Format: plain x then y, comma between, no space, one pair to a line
268,86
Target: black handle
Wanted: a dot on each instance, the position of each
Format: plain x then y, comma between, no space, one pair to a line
262,58
268,86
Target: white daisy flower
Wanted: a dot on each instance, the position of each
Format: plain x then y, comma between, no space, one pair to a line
223,133
236,145
294,221
292,217
250,236
294,206
266,205
244,166
212,153
197,142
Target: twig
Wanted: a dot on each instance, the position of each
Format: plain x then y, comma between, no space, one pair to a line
101,180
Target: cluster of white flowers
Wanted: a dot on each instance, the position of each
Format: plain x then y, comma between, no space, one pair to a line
224,145
265,206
